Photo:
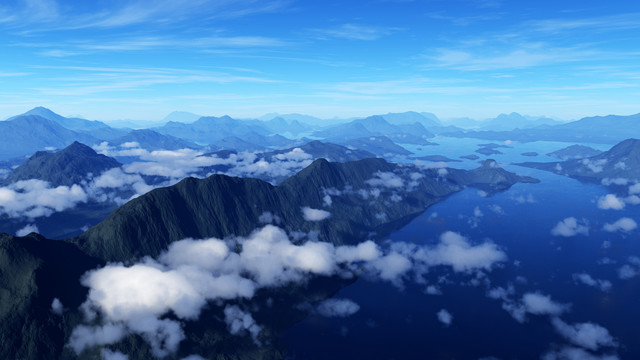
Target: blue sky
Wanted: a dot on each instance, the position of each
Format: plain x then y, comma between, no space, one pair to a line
141,59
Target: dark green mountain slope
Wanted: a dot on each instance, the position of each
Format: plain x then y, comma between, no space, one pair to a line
220,205
34,271
68,166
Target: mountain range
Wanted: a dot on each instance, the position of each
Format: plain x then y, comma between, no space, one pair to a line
38,272
618,166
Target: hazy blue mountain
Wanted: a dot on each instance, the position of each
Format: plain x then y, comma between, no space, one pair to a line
253,141
77,124
304,119
600,129
436,158
411,139
95,128
488,151
344,131
66,167
328,151
181,116
463,122
152,140
208,129
26,134
410,117
432,117
378,145
371,126
280,125
621,162
515,121
129,124
236,144
574,152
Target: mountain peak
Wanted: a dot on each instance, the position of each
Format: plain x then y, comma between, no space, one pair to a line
66,167
45,113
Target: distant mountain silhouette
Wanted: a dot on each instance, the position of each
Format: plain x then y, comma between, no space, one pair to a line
329,151
622,161
152,140
574,152
26,134
94,128
66,167
410,117
181,116
371,126
208,129
378,145
599,129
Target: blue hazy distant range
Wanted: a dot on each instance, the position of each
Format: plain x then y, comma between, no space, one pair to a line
141,59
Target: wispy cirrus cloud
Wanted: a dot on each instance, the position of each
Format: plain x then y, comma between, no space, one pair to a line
91,80
598,24
516,58
129,13
355,32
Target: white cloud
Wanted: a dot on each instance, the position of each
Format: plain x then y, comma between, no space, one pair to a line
586,279
587,335
28,229
84,337
391,267
570,227
36,198
575,353
454,250
630,270
135,299
623,224
112,355
364,251
386,179
337,308
239,321
445,317
326,200
634,189
269,218
539,304
311,214
610,201
56,307
594,166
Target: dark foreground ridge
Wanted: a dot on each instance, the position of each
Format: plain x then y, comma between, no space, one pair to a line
367,196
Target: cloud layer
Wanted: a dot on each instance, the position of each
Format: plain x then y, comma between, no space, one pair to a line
126,299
